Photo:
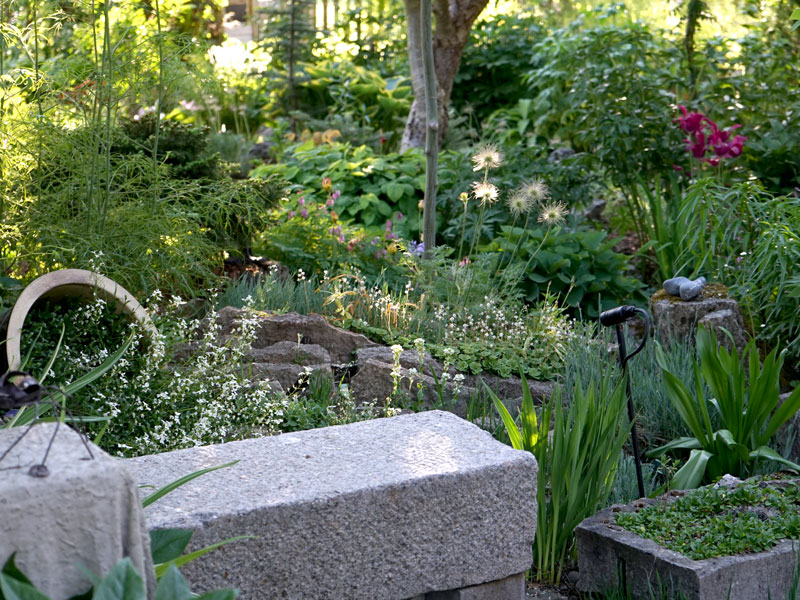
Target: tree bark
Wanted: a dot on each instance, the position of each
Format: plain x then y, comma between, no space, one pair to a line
454,19
432,131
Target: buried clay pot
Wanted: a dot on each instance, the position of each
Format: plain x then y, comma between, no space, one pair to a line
64,284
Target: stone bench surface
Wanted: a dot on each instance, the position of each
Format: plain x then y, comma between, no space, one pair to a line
390,508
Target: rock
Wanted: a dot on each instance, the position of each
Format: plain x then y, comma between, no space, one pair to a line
728,481
384,509
595,210
313,329
374,382
84,516
728,320
691,290
291,353
409,359
287,375
560,154
673,286
685,288
789,434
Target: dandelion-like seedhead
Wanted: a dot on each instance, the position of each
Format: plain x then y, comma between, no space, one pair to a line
553,213
487,157
485,192
535,191
518,203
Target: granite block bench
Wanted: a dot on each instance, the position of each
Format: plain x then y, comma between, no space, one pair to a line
424,506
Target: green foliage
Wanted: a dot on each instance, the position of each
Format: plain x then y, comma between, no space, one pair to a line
720,521
587,356
489,75
583,93
371,101
373,188
122,582
305,236
747,402
577,464
579,266
747,238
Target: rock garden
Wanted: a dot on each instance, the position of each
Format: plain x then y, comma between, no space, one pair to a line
421,300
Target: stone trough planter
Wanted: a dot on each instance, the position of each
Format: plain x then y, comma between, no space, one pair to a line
611,557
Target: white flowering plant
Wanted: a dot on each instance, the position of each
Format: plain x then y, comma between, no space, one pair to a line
177,389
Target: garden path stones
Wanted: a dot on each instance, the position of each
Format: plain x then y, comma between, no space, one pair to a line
278,356
312,329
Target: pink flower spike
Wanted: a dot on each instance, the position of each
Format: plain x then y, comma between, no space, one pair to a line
301,200
389,225
304,213
329,202
291,214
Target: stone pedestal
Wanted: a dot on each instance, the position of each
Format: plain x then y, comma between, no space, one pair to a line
84,513
678,319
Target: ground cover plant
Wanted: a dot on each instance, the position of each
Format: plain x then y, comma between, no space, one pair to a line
722,520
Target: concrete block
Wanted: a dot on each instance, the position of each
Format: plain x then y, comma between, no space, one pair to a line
610,557
510,588
84,513
384,509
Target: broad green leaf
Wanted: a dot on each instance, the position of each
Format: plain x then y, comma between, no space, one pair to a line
394,190
511,427
770,454
121,583
19,590
691,474
11,569
169,544
173,586
682,443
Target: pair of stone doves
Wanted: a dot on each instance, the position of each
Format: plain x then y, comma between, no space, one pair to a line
684,287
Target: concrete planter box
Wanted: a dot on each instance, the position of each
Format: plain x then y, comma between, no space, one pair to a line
611,557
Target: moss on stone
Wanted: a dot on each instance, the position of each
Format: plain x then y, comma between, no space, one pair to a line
711,290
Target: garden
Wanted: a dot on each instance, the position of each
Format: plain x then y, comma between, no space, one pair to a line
365,211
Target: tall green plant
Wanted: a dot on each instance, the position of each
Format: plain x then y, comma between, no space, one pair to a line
577,464
746,398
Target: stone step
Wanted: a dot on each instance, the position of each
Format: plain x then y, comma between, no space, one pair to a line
396,508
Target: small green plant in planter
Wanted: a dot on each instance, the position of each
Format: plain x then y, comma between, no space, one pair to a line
722,520
747,402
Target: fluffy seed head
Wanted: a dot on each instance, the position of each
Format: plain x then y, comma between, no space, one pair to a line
487,157
485,192
553,213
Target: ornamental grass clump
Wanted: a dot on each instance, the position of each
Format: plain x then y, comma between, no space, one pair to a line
577,461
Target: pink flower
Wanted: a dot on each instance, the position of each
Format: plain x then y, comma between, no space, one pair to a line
291,214
329,202
341,238
399,216
389,225
691,122
304,213
301,200
464,262
335,195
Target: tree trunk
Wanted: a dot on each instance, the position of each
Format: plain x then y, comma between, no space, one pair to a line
454,19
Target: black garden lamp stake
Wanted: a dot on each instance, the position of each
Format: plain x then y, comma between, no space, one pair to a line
616,317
